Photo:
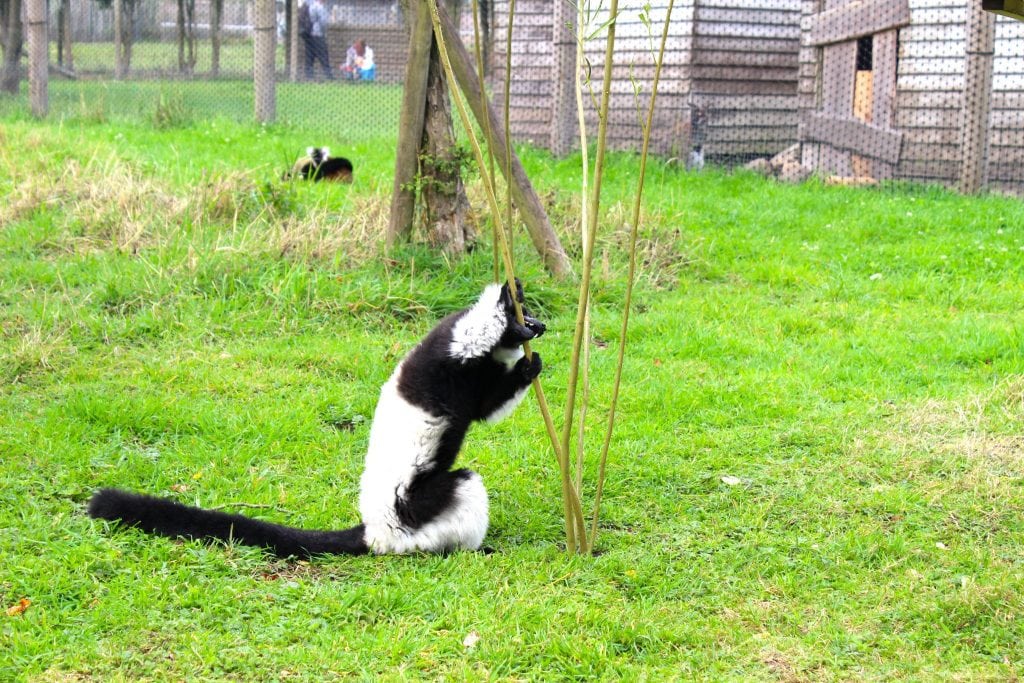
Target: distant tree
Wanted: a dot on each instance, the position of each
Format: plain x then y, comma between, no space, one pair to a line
124,34
187,36
216,27
12,40
65,41
442,190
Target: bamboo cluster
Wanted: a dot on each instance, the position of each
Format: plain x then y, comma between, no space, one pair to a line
579,539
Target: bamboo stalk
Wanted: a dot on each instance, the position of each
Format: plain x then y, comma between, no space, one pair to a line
530,208
487,133
631,279
581,26
591,232
571,504
410,123
507,120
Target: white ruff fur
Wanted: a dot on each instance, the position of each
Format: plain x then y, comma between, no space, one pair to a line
481,328
404,439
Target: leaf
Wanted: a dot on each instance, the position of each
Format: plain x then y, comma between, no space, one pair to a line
471,639
730,480
15,610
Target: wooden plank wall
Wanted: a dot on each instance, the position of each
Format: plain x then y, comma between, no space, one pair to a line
736,58
929,95
635,53
1006,141
532,63
929,90
745,71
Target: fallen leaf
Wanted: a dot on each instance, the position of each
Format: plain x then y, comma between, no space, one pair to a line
15,610
730,480
940,545
197,476
875,276
657,362
179,488
471,639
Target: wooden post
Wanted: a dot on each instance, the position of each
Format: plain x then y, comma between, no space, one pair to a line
410,122
981,32
563,45
118,39
293,41
264,38
523,195
38,57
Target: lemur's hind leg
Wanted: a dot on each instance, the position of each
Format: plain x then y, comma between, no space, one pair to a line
460,525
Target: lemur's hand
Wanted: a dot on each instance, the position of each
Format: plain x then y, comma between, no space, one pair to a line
529,368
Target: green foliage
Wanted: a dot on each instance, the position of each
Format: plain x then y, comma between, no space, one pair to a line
441,173
816,474
171,112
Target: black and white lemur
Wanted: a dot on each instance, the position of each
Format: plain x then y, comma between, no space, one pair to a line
470,367
318,164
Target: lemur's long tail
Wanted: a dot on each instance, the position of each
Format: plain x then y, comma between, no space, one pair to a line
168,518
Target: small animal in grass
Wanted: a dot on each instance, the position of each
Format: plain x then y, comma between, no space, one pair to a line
318,164
470,367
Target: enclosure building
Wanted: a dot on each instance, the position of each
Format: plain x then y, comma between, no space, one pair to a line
729,82
888,90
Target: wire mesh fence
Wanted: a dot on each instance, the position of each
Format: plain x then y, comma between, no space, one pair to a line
926,91
929,91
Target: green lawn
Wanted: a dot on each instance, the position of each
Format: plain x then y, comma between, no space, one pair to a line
176,321
153,56
345,112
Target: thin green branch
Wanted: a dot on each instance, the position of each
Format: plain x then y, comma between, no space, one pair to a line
570,502
631,279
591,232
487,129
507,120
581,24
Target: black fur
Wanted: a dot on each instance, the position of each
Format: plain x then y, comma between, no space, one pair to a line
456,391
168,518
318,165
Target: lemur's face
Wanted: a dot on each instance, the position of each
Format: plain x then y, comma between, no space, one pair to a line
532,324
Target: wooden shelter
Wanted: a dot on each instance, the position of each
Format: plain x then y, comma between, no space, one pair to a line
924,90
729,81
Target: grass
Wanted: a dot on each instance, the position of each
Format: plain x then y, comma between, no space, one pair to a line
153,56
816,475
339,112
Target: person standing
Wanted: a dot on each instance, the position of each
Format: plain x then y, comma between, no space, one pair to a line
315,39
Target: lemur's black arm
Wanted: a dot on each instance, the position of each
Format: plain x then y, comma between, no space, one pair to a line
499,394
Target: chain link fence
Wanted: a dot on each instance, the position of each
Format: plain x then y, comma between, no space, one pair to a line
925,91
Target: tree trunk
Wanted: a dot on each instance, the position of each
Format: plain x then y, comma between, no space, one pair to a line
180,21
523,195
128,37
216,22
264,46
13,43
65,41
190,36
445,205
293,40
119,70
410,122
36,17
